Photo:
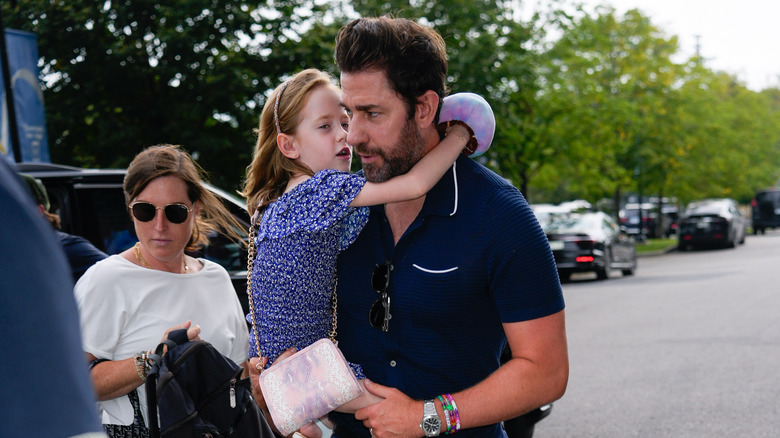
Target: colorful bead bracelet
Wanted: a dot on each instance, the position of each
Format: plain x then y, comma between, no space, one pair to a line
450,413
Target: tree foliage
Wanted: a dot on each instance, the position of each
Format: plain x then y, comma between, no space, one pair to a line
630,119
588,104
123,75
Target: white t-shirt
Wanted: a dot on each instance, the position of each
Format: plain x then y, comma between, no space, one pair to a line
125,308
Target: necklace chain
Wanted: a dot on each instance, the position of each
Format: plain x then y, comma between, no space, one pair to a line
137,252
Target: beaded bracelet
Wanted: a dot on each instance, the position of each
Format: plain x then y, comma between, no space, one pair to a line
454,413
142,366
444,406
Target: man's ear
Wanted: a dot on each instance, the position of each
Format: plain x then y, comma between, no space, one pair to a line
427,104
287,146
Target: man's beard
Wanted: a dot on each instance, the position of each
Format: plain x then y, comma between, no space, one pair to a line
396,160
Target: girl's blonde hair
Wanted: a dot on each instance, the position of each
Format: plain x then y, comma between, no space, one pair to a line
270,171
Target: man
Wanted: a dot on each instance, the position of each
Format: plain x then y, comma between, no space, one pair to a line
81,253
434,287
46,390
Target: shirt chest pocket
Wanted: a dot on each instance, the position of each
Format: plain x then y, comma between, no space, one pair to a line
431,293
435,282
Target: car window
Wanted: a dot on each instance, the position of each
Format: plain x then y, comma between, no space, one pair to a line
610,226
571,224
103,219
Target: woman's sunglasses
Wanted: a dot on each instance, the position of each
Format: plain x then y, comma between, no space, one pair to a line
379,314
146,211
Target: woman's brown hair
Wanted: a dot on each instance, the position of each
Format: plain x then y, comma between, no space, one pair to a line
170,160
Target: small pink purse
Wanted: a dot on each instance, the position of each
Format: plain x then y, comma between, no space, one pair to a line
308,385
311,382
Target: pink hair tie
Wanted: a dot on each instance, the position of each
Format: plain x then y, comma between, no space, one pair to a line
473,111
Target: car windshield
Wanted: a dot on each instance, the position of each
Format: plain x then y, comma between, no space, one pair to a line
570,224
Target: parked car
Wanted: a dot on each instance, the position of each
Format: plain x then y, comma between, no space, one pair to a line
712,222
630,220
91,204
590,242
544,212
766,210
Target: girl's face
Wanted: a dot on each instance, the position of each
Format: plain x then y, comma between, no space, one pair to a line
321,137
160,238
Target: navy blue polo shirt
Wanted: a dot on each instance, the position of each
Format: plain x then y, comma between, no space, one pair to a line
474,257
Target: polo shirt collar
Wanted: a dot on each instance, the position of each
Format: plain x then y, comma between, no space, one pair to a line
442,200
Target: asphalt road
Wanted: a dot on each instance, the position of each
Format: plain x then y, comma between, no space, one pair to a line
688,347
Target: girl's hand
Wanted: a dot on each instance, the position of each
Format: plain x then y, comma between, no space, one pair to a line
256,365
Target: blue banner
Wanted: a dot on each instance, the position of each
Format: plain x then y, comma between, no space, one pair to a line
22,48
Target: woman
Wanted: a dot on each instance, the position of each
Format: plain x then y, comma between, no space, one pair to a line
129,301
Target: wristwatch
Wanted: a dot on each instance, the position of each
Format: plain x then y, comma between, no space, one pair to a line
431,423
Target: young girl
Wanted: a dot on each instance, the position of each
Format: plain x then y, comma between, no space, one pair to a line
301,192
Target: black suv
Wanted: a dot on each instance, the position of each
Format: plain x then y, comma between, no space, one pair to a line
766,210
91,204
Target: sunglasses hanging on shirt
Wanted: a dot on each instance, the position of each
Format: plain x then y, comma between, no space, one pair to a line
379,314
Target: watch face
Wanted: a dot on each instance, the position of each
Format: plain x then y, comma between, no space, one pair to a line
431,425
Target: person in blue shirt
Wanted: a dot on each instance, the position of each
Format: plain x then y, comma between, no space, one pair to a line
433,288
81,253
46,390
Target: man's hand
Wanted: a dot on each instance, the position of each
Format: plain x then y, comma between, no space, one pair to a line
395,416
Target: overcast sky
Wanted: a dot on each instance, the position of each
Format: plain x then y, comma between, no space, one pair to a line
739,37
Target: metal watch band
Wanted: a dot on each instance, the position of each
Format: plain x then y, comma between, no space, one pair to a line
431,423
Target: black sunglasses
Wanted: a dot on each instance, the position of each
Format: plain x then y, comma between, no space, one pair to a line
146,211
379,314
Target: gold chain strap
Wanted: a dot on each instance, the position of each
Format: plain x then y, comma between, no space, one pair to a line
250,267
333,307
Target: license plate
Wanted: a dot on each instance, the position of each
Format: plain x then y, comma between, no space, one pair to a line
556,245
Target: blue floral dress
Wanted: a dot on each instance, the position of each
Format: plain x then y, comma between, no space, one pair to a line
299,238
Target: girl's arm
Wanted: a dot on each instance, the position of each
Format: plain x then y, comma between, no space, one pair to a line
361,402
422,177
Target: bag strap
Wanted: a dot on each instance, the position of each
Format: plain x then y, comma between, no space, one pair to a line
250,267
333,306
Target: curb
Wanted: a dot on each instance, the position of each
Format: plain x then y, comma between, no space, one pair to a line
657,253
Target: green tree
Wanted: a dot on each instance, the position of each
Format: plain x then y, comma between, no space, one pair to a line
611,80
120,76
731,138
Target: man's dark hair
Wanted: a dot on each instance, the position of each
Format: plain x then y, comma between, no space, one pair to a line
413,56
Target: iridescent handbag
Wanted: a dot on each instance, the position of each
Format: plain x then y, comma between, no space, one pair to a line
311,382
